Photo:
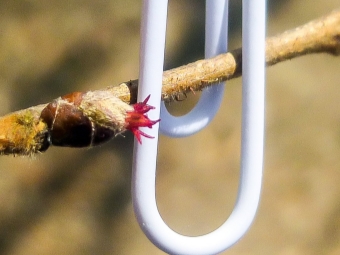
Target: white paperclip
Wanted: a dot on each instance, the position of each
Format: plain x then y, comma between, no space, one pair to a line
216,40
145,155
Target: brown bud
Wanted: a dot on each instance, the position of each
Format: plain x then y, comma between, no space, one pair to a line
67,124
84,119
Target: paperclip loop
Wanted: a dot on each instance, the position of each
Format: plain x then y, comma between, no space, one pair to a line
216,39
144,161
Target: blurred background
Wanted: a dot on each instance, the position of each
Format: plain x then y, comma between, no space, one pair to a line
78,201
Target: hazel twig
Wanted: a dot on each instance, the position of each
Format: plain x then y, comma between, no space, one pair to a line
25,132
318,36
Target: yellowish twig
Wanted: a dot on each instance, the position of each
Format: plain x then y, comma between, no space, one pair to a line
318,36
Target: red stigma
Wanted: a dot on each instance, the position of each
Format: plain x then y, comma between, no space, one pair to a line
138,118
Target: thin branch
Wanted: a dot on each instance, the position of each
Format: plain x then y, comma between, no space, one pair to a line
318,36
25,132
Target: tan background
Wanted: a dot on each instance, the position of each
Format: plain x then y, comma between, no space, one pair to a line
69,201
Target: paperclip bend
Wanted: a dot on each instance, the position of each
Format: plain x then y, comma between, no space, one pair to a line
216,40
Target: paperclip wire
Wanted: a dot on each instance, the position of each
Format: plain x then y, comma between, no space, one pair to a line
144,164
216,40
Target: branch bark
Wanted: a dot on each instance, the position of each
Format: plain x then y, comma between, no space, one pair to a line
24,132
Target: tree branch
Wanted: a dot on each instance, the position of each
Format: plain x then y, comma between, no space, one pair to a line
25,132
318,36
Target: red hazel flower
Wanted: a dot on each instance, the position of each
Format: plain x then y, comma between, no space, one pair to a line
138,118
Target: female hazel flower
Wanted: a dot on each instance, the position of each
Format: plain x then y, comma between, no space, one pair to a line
74,120
88,119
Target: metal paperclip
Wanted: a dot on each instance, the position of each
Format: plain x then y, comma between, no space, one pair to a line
144,160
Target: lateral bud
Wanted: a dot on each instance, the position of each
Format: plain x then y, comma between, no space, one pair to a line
92,118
